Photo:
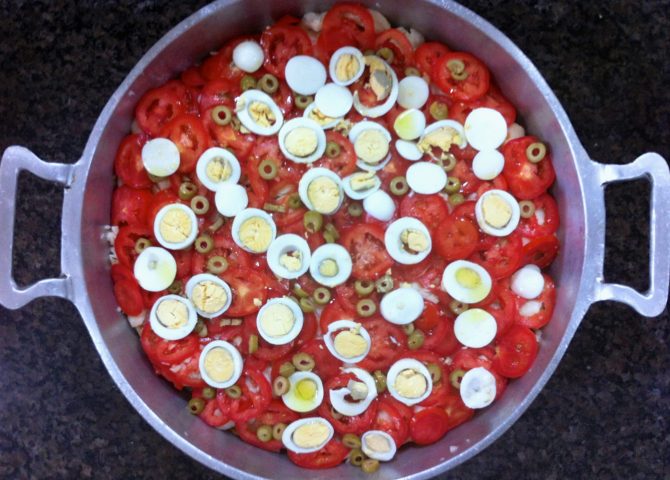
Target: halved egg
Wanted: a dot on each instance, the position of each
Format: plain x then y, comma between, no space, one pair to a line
408,241
379,445
155,269
478,388
488,164
426,178
402,305
258,112
372,145
323,120
307,435
475,328
440,136
160,157
485,128
302,140
172,317
305,74
466,281
362,391
410,124
330,265
320,189
175,226
279,321
230,199
333,100
254,230
305,392
289,256
350,344
210,295
497,213
384,83
359,185
346,65
379,205
408,150
217,166
220,364
413,92
409,381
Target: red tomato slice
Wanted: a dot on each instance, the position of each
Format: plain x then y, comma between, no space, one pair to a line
281,43
397,41
192,77
129,296
327,366
265,351
515,352
334,311
331,455
429,425
457,412
225,136
128,164
190,136
526,180
172,352
130,205
345,424
345,162
158,201
277,412
255,398
463,171
388,342
540,251
430,317
345,24
475,81
427,54
544,222
547,299
186,373
247,286
456,238
393,418
217,92
212,414
365,244
124,244
441,339
160,105
501,258
279,195
430,209
469,358
221,65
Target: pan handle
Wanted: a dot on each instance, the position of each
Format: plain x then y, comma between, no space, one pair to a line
14,160
654,168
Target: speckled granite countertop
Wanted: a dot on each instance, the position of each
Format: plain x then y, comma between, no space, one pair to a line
605,412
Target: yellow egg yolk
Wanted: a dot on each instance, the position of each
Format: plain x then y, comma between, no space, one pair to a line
175,226
261,113
371,146
468,278
497,212
310,435
291,261
306,389
256,234
328,268
277,320
172,313
362,181
346,67
209,297
377,443
301,141
410,384
413,241
219,364
316,115
324,194
350,344
442,138
218,169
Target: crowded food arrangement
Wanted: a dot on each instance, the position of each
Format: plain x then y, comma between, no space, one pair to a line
333,236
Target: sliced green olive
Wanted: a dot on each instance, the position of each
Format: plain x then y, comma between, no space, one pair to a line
384,284
332,149
271,207
366,307
278,430
456,199
355,209
409,328
234,392
415,340
386,53
351,440
439,110
216,224
453,185
363,287
280,386
253,343
527,208
330,228
457,307
187,190
286,369
329,237
142,244
302,101
297,289
399,186
200,205
175,287
204,244
321,295
200,328
217,264
370,465
307,305
356,456
294,201
196,406
536,152
435,372
269,83
412,72
455,378
264,433
380,380
222,115
208,393
448,161
313,221
268,169
303,361
247,83
457,69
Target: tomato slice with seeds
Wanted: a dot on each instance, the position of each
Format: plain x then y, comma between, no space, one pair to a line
128,296
124,244
526,180
255,398
428,425
345,24
467,85
130,205
330,455
327,366
546,301
515,352
221,65
249,288
545,220
128,164
212,414
500,256
281,43
160,105
427,54
388,343
393,418
431,210
365,244
172,352
457,412
397,41
190,136
456,238
344,163
540,251
217,92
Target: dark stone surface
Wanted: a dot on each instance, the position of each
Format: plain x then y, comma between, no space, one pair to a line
604,414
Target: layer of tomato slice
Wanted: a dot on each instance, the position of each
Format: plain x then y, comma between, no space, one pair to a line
365,244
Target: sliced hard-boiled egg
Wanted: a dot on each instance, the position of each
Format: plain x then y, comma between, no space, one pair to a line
350,344
488,164
346,65
384,83
402,305
410,124
175,226
333,100
359,185
231,199
362,391
528,282
409,381
408,150
497,213
279,321
330,265
478,388
155,269
220,364
379,205
320,189
413,92
254,230
248,56
302,140
289,256
305,392
307,435
323,120
210,295
160,157
172,317
440,136
378,445
371,143
216,166
259,113
408,241
426,177
485,128
475,328
305,74
466,281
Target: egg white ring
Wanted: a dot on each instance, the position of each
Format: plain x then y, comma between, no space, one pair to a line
325,126
230,199
166,332
245,215
447,123
416,114
323,100
298,320
209,155
149,262
208,277
287,436
474,333
384,108
188,241
404,302
483,378
238,363
359,194
399,366
293,381
250,96
511,225
450,273
485,128
371,202
332,65
338,396
311,175
408,150
346,325
361,127
341,257
286,243
381,456
160,157
294,123
394,246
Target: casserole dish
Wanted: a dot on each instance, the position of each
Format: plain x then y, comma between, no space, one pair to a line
578,192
